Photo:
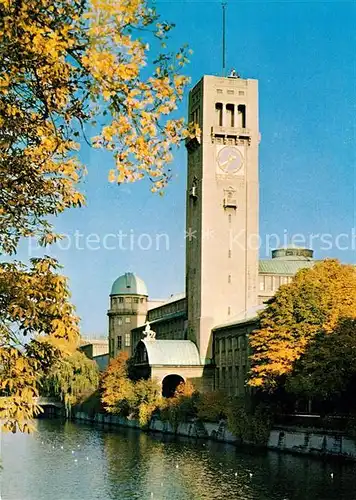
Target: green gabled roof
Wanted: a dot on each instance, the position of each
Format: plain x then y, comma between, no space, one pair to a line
172,352
284,266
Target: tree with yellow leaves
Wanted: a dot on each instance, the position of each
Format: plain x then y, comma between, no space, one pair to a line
122,396
66,67
310,307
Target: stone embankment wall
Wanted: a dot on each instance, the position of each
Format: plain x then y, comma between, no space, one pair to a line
291,440
310,442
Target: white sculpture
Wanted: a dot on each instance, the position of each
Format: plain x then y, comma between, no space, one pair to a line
149,334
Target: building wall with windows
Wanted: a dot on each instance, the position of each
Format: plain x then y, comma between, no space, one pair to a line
279,270
231,356
168,321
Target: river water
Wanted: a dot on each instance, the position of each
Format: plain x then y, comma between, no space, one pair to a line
85,462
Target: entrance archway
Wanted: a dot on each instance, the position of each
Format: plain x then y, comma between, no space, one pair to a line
170,384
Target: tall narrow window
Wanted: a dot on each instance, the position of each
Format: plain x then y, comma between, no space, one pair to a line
241,111
127,339
230,115
229,254
262,283
229,311
119,342
219,114
229,218
229,278
196,115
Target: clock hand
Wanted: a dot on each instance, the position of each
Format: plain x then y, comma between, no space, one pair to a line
228,161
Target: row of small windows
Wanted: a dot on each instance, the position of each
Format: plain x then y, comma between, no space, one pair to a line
227,344
272,283
168,309
173,329
231,92
120,321
228,117
130,300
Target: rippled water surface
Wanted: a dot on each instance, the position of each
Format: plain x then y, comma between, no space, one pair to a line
78,461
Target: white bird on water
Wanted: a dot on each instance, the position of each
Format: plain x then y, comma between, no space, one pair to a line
332,475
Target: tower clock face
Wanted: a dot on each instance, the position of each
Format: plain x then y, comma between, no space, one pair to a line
229,160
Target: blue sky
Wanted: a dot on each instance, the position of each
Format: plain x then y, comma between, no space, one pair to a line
303,54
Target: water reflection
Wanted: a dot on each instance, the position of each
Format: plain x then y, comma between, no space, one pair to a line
77,461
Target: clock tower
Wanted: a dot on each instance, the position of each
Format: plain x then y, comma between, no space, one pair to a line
222,206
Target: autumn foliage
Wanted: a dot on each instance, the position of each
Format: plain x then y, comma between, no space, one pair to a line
128,398
71,72
313,310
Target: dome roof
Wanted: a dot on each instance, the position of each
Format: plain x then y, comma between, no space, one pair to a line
129,284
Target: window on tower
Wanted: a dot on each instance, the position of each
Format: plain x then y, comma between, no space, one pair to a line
111,347
121,299
127,339
241,115
194,116
119,342
219,114
127,319
230,115
119,321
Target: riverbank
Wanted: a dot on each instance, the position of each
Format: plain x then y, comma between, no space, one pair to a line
317,443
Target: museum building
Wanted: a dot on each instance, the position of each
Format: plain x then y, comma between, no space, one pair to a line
202,335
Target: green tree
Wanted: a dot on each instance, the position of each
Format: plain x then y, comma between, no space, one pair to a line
212,406
72,379
69,70
312,305
326,372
